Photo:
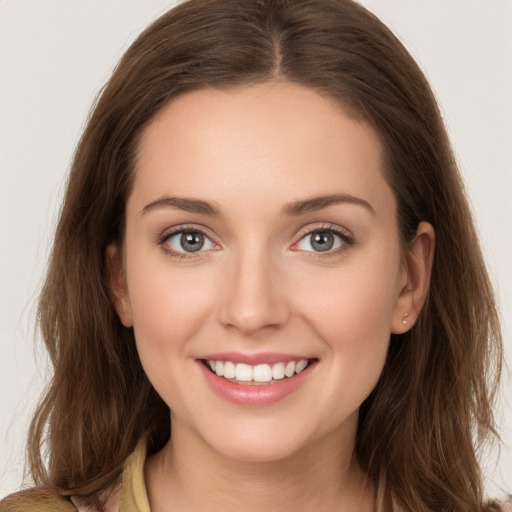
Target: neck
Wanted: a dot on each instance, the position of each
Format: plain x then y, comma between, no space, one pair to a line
187,475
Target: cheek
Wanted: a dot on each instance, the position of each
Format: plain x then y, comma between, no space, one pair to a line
351,311
353,303
168,305
355,330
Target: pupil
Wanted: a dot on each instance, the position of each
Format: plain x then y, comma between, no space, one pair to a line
192,242
322,241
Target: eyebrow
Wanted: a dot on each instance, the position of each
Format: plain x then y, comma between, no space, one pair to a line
293,209
320,202
183,203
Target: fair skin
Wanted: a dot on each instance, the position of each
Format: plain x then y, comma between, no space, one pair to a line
265,278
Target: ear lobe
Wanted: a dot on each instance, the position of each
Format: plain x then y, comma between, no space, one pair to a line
419,255
117,284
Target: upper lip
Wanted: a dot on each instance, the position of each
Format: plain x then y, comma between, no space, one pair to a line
254,358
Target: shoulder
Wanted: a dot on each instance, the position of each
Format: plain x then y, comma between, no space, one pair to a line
500,506
123,495
36,500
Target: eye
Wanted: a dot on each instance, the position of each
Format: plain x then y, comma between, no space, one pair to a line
189,241
322,240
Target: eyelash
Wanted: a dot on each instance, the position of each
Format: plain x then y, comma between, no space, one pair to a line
166,236
346,237
347,240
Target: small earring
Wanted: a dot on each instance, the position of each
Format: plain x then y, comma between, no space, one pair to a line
404,321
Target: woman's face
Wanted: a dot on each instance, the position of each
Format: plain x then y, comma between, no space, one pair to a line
261,235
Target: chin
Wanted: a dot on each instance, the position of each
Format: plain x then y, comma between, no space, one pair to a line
264,441
259,450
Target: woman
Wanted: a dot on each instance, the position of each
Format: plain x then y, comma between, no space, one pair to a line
243,306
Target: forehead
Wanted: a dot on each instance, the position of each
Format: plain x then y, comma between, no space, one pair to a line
275,140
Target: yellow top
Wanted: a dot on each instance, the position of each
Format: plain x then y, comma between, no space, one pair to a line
132,496
133,488
133,493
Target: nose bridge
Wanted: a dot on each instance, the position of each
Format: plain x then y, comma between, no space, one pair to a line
252,296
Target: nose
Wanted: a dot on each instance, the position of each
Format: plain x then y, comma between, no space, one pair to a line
253,295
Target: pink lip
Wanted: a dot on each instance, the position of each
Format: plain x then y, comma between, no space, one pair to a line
254,394
254,359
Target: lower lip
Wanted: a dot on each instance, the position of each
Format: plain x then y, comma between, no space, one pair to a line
254,394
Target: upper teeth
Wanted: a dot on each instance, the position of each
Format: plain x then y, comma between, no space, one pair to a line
258,373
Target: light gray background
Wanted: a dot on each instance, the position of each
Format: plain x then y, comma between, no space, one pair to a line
56,54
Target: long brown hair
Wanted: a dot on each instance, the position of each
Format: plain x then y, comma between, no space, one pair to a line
421,427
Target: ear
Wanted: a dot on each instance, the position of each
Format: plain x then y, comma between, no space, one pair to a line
418,258
117,284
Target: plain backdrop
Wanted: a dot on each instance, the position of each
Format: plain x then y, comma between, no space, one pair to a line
56,54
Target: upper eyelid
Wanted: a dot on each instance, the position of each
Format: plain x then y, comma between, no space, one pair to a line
307,230
168,232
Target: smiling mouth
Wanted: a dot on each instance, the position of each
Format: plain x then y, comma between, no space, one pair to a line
241,373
